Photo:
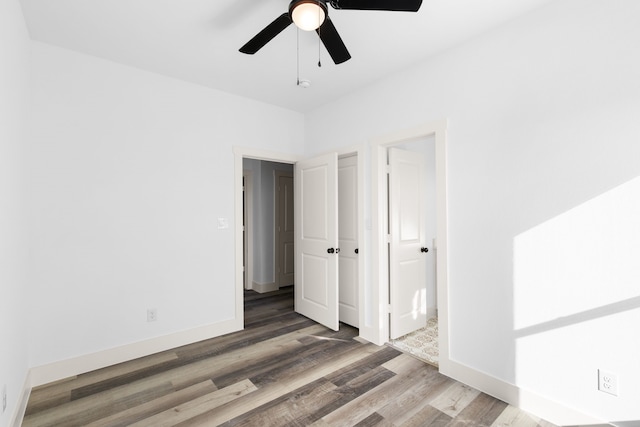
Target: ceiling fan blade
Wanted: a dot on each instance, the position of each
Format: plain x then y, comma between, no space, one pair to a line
267,34
333,42
392,5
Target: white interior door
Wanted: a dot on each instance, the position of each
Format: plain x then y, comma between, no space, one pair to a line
284,229
407,259
348,240
316,230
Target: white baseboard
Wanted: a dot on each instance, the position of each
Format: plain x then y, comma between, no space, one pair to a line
18,415
78,365
264,287
528,401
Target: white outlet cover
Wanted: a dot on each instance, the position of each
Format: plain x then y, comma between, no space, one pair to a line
607,382
223,223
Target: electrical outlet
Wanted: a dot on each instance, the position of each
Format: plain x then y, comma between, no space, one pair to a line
607,382
4,398
152,314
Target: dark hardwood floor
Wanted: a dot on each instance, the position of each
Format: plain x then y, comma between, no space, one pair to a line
282,370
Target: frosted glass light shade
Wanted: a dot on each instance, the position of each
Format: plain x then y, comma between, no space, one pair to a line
308,16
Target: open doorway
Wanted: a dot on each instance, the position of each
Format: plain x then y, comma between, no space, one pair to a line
413,248
268,226
378,330
254,163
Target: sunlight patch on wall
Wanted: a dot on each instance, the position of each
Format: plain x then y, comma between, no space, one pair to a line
419,304
585,258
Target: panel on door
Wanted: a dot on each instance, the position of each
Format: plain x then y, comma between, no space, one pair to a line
348,240
316,230
407,256
284,229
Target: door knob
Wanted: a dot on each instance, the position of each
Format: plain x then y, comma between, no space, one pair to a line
356,251
424,250
331,250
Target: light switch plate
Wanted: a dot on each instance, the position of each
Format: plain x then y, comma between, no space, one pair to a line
223,223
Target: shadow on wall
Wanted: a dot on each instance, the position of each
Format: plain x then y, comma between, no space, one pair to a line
577,305
584,316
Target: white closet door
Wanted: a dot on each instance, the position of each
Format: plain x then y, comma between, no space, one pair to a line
348,238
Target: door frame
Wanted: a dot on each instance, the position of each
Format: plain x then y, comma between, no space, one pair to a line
377,330
251,153
240,153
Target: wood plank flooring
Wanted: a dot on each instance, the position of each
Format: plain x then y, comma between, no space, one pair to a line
282,370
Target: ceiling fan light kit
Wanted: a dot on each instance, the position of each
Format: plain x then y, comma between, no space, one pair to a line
308,15
312,15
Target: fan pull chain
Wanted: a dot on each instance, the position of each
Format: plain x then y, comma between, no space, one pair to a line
298,56
319,47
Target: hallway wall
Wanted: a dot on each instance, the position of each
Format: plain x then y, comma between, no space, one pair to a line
14,98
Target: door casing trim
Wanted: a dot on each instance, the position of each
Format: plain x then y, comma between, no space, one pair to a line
377,331
239,154
252,153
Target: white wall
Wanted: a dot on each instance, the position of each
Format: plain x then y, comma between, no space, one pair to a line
129,173
543,116
14,95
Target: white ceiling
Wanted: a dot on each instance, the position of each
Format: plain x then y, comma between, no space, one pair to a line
198,41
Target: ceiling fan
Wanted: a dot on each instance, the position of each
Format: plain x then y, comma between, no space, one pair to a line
312,15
